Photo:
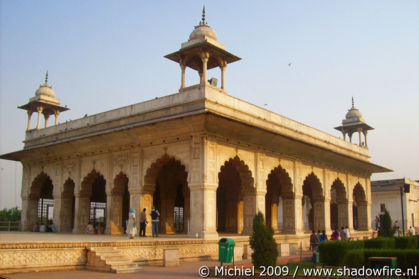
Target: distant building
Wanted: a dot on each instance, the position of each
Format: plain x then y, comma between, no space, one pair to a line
385,194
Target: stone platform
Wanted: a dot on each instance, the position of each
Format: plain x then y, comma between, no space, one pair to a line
25,252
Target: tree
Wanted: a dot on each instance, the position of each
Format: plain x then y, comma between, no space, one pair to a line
265,251
12,214
386,230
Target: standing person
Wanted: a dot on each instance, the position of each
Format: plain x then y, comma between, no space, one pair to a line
323,237
131,228
155,222
342,234
335,235
377,222
396,228
347,234
143,222
411,231
314,241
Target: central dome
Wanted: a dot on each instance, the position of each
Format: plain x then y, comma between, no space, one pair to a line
202,31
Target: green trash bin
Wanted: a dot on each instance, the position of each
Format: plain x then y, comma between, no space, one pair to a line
316,257
226,250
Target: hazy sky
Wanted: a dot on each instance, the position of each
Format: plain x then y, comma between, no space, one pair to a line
103,55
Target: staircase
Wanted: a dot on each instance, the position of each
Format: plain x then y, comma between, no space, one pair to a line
109,259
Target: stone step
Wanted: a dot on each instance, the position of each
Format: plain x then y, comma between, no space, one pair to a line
127,269
113,257
110,259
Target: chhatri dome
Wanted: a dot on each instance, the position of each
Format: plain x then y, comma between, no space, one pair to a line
353,115
45,92
354,123
44,102
203,30
202,52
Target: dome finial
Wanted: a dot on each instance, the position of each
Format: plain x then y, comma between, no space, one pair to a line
46,77
353,104
203,16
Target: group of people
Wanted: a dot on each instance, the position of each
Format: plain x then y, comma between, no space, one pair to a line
131,222
316,239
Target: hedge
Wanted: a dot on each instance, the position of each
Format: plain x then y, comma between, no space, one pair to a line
380,242
333,252
406,242
406,258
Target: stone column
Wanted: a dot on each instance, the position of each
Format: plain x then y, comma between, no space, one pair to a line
182,80
204,58
29,214
107,229
82,212
56,219
223,67
365,137
343,208
274,217
134,202
114,203
359,135
363,216
203,205
39,110
146,201
46,116
292,210
350,220
29,120
65,219
321,215
56,113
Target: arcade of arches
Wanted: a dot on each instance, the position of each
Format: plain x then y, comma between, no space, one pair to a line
289,208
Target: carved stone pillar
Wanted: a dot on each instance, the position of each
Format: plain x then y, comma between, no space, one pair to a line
29,214
182,80
343,208
204,58
56,113
274,217
115,214
29,119
363,217
146,201
203,205
66,217
109,209
321,215
134,202
46,116
223,67
82,213
39,110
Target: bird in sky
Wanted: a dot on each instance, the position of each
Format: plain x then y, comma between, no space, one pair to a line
289,64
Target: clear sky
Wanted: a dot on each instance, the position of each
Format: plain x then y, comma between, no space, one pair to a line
103,55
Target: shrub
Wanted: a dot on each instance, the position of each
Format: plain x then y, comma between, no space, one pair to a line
386,229
406,258
354,258
380,242
333,252
406,242
265,251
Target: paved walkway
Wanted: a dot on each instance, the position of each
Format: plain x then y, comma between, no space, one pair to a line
185,270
